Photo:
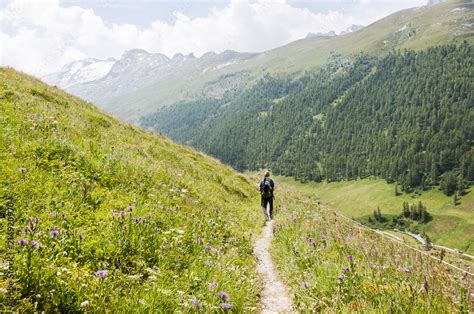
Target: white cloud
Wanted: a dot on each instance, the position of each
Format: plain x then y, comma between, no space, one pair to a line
39,37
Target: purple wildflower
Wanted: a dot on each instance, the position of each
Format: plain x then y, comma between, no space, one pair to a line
22,169
346,270
226,305
232,240
404,268
223,295
63,215
22,242
31,223
340,278
312,242
304,284
200,240
217,209
101,273
26,230
34,243
350,258
130,208
54,233
213,285
148,216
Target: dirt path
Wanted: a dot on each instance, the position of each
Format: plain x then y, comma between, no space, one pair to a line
275,297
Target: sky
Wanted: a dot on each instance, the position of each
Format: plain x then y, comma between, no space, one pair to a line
41,36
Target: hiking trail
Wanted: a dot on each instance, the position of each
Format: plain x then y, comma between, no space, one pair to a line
275,297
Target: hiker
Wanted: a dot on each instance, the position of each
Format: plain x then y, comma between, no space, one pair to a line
267,186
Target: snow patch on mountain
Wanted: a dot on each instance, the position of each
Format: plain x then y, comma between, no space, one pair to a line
81,71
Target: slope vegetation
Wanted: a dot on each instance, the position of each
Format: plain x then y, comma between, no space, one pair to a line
108,217
332,265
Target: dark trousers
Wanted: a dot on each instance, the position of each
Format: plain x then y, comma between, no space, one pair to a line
265,202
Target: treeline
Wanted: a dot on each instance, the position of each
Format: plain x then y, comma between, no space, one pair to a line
406,117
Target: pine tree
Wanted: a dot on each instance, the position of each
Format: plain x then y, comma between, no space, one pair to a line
461,187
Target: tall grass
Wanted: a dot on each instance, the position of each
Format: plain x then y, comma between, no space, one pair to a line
332,265
110,218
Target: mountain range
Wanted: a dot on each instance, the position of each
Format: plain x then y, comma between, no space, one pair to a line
140,83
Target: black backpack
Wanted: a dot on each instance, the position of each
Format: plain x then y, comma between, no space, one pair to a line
266,191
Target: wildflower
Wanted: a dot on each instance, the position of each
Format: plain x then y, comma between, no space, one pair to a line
223,295
200,240
22,169
130,208
31,223
340,278
22,242
213,285
26,230
226,305
312,242
350,258
102,273
304,284
196,303
54,233
34,243
346,270
63,215
148,216
404,268
217,209
232,240
85,304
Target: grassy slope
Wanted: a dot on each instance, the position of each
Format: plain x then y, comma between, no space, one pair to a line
89,166
312,246
434,24
452,226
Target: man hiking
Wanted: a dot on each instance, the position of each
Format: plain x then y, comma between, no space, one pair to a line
267,186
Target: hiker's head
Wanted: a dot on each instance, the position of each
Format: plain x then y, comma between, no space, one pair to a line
267,174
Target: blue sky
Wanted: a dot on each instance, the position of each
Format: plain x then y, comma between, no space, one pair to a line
41,36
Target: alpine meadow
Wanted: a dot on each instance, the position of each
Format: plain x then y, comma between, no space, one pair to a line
140,183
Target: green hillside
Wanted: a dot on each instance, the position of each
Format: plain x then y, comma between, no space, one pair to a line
108,217
452,226
416,28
